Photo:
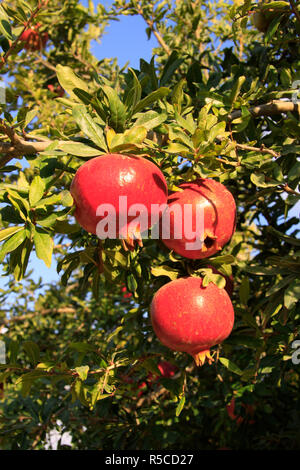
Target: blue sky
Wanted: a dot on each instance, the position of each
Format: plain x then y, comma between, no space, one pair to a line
125,39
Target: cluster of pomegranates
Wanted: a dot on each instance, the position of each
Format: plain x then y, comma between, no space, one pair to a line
34,39
186,316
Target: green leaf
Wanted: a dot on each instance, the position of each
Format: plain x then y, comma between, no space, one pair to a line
274,25
36,190
133,94
171,65
230,365
43,245
13,350
82,347
180,406
292,294
236,89
32,350
247,341
282,236
185,124
165,271
117,109
259,180
216,279
82,371
78,149
114,333
12,243
5,27
151,98
69,81
280,285
150,119
88,126
7,232
174,147
244,291
30,116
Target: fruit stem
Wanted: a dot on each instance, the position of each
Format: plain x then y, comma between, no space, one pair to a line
202,356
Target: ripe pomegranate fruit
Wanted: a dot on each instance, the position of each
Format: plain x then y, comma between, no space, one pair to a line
191,318
33,39
57,90
206,197
167,369
103,179
126,294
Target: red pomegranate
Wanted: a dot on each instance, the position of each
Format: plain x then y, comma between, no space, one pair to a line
57,90
205,197
33,39
191,318
103,180
167,369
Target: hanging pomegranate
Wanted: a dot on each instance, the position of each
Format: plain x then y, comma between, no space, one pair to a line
191,318
204,200
112,190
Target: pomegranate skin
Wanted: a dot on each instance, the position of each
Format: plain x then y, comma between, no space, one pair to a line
191,318
103,179
218,206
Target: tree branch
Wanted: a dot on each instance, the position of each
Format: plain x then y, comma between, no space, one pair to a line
20,147
154,31
269,109
7,321
261,149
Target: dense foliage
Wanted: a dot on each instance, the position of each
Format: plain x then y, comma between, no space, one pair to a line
219,99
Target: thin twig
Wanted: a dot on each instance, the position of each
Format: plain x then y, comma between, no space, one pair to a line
295,11
154,31
261,149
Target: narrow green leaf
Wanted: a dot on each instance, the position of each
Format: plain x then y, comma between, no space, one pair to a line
69,81
180,406
88,126
43,245
78,149
117,109
7,232
236,89
150,119
151,98
12,243
230,365
36,190
33,351
244,291
292,294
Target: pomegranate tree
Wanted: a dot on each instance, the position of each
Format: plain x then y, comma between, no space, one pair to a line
104,179
191,318
206,197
